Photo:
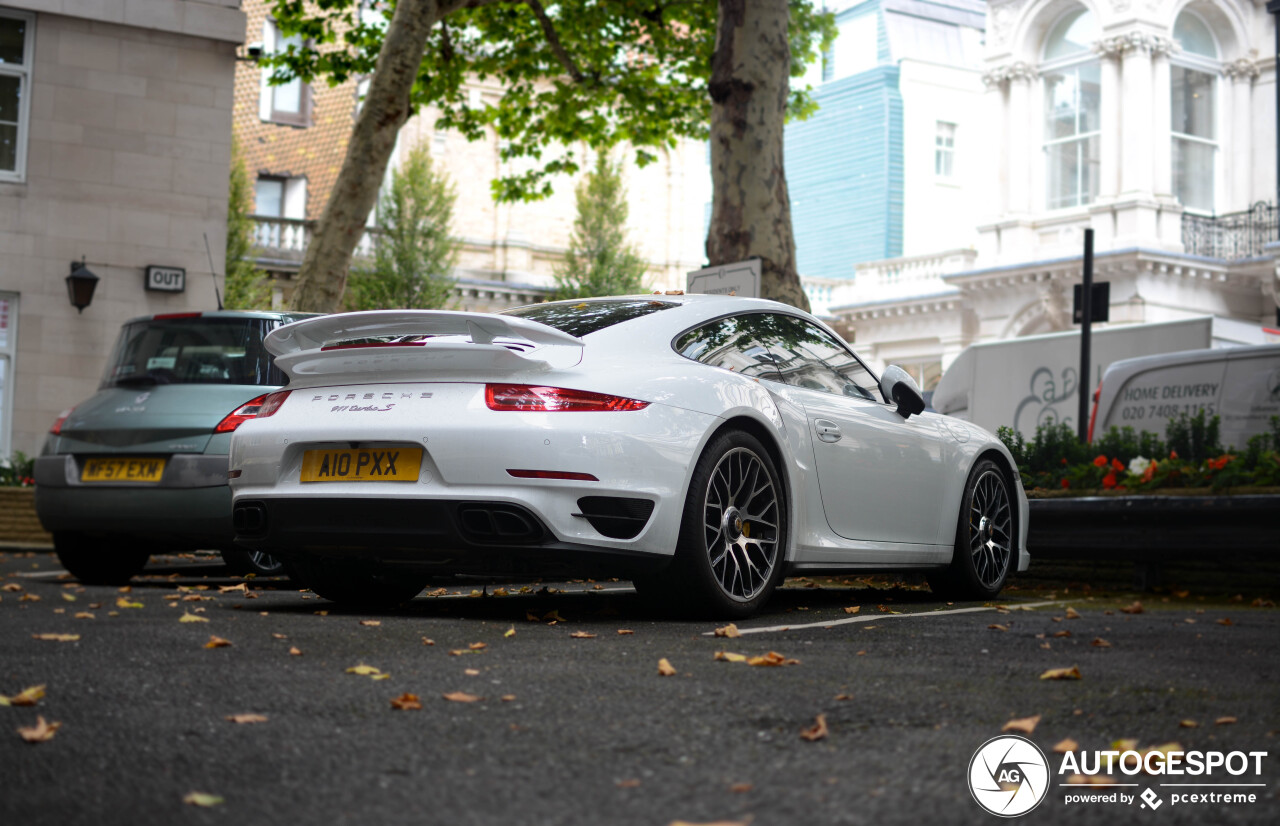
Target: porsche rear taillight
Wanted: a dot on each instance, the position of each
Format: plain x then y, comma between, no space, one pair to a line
240,415
272,403
60,421
534,398
258,408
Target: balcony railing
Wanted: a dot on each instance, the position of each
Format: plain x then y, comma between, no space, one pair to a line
1232,236
285,239
895,272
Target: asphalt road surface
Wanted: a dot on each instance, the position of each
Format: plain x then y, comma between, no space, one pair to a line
574,724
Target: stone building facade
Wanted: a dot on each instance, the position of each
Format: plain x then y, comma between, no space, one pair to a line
115,140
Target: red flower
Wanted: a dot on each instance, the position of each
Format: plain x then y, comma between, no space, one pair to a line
1064,460
1065,483
1151,471
1220,462
1117,465
1100,461
1109,481
1173,454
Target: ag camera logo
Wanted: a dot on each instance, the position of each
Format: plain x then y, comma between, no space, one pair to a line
1008,776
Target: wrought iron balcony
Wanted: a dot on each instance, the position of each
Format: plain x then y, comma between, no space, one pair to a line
1233,236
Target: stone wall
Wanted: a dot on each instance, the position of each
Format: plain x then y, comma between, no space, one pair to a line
127,163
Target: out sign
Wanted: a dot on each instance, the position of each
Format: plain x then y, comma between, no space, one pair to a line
166,279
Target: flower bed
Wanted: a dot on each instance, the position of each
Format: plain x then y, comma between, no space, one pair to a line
1057,463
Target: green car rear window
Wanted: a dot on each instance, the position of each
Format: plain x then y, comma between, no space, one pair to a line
193,351
583,317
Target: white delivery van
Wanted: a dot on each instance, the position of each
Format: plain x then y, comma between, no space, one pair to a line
1240,385
1034,380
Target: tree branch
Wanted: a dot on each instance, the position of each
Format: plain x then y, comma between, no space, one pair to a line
553,40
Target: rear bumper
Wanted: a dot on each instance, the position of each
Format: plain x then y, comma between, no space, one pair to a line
183,518
438,535
189,508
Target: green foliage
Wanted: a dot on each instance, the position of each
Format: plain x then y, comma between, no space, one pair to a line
246,287
632,71
414,254
599,260
1126,445
17,471
1124,460
1193,437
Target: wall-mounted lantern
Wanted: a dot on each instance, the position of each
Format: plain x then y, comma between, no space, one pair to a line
80,285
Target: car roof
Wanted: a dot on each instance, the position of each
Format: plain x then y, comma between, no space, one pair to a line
279,315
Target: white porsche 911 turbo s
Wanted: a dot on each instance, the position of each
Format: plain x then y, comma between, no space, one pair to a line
702,446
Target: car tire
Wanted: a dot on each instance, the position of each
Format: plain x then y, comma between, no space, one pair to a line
353,583
985,532
99,561
247,561
720,568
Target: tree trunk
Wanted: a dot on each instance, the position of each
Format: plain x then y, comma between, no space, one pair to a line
751,211
323,276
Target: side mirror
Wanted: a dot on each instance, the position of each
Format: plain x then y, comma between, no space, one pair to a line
897,386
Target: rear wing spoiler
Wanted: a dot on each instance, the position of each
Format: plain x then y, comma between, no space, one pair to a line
457,341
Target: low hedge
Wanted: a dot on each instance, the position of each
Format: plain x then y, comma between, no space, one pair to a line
1190,456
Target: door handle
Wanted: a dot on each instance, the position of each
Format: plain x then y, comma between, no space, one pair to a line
827,430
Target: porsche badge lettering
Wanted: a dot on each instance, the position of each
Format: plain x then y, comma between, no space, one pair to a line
362,465
367,397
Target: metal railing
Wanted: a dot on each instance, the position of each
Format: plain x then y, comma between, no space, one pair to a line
1232,236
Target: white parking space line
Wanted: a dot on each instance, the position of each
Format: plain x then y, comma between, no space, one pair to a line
41,574
772,629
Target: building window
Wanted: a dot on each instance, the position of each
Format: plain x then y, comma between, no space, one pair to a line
288,103
16,30
944,149
1194,82
1072,93
279,198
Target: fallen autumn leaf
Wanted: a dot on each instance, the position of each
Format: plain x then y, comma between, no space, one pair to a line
26,697
243,719
39,733
461,697
665,668
1022,725
1072,673
817,731
203,800
217,642
407,702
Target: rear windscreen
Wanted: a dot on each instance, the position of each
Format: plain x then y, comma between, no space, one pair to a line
583,317
193,351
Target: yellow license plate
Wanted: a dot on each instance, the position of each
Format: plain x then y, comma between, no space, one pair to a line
385,464
122,470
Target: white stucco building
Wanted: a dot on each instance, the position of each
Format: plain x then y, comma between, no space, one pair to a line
1153,122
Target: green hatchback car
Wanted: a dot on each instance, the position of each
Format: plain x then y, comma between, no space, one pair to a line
141,466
